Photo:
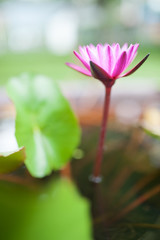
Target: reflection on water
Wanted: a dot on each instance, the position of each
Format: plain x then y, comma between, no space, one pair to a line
126,204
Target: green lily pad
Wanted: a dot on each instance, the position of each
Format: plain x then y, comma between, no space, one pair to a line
45,123
55,211
11,161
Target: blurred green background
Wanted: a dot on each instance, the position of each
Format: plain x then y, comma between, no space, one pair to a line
39,36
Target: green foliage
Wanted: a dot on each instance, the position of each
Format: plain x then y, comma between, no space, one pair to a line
52,212
40,62
11,161
45,123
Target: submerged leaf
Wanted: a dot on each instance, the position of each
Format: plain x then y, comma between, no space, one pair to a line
45,123
11,161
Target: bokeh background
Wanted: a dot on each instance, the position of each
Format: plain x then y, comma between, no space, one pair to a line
39,35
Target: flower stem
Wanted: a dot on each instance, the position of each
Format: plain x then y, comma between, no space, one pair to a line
98,162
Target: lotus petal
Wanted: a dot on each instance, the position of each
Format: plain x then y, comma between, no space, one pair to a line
136,67
120,65
99,73
79,69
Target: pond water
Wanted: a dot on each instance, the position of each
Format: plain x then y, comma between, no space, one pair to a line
125,205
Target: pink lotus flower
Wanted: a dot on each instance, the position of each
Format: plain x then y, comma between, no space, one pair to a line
107,62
